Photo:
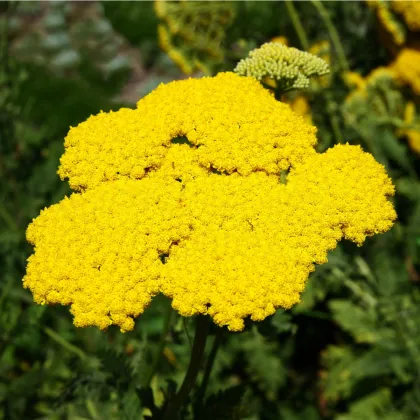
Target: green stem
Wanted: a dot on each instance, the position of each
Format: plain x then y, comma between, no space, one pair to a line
408,342
294,17
8,219
63,342
184,321
200,338
334,120
93,412
162,341
335,39
209,366
277,94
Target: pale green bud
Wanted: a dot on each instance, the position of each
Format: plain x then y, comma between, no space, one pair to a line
289,67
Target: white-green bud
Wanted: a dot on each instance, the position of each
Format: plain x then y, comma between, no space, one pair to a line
289,67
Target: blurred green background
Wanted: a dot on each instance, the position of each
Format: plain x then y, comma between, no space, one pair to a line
349,351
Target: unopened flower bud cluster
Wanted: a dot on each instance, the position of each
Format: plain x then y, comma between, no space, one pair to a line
289,67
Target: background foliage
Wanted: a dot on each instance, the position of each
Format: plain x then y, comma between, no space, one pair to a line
349,351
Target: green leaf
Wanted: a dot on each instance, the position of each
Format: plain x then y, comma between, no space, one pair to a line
263,362
394,149
376,406
386,261
408,187
360,323
116,365
413,234
225,405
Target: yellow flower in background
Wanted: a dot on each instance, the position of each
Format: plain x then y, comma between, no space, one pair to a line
397,17
354,79
413,135
300,105
389,21
281,40
379,95
391,25
410,12
379,74
322,49
192,33
407,68
174,53
366,88
203,220
373,100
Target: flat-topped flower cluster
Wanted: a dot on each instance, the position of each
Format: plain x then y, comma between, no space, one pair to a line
205,222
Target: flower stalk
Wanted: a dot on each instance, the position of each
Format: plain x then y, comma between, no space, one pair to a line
162,341
200,338
294,17
201,393
335,39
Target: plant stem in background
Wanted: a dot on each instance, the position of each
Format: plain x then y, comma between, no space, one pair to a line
184,322
334,119
300,31
8,219
63,342
294,17
200,338
335,39
201,393
158,354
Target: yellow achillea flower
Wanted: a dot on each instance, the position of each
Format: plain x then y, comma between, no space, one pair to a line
366,87
410,11
391,25
389,21
236,126
192,33
301,106
280,39
413,135
407,68
205,222
379,75
354,79
322,49
174,53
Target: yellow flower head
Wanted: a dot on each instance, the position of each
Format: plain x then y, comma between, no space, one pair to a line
410,12
397,17
412,134
280,39
192,33
389,21
322,49
354,79
368,89
300,105
407,68
203,218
